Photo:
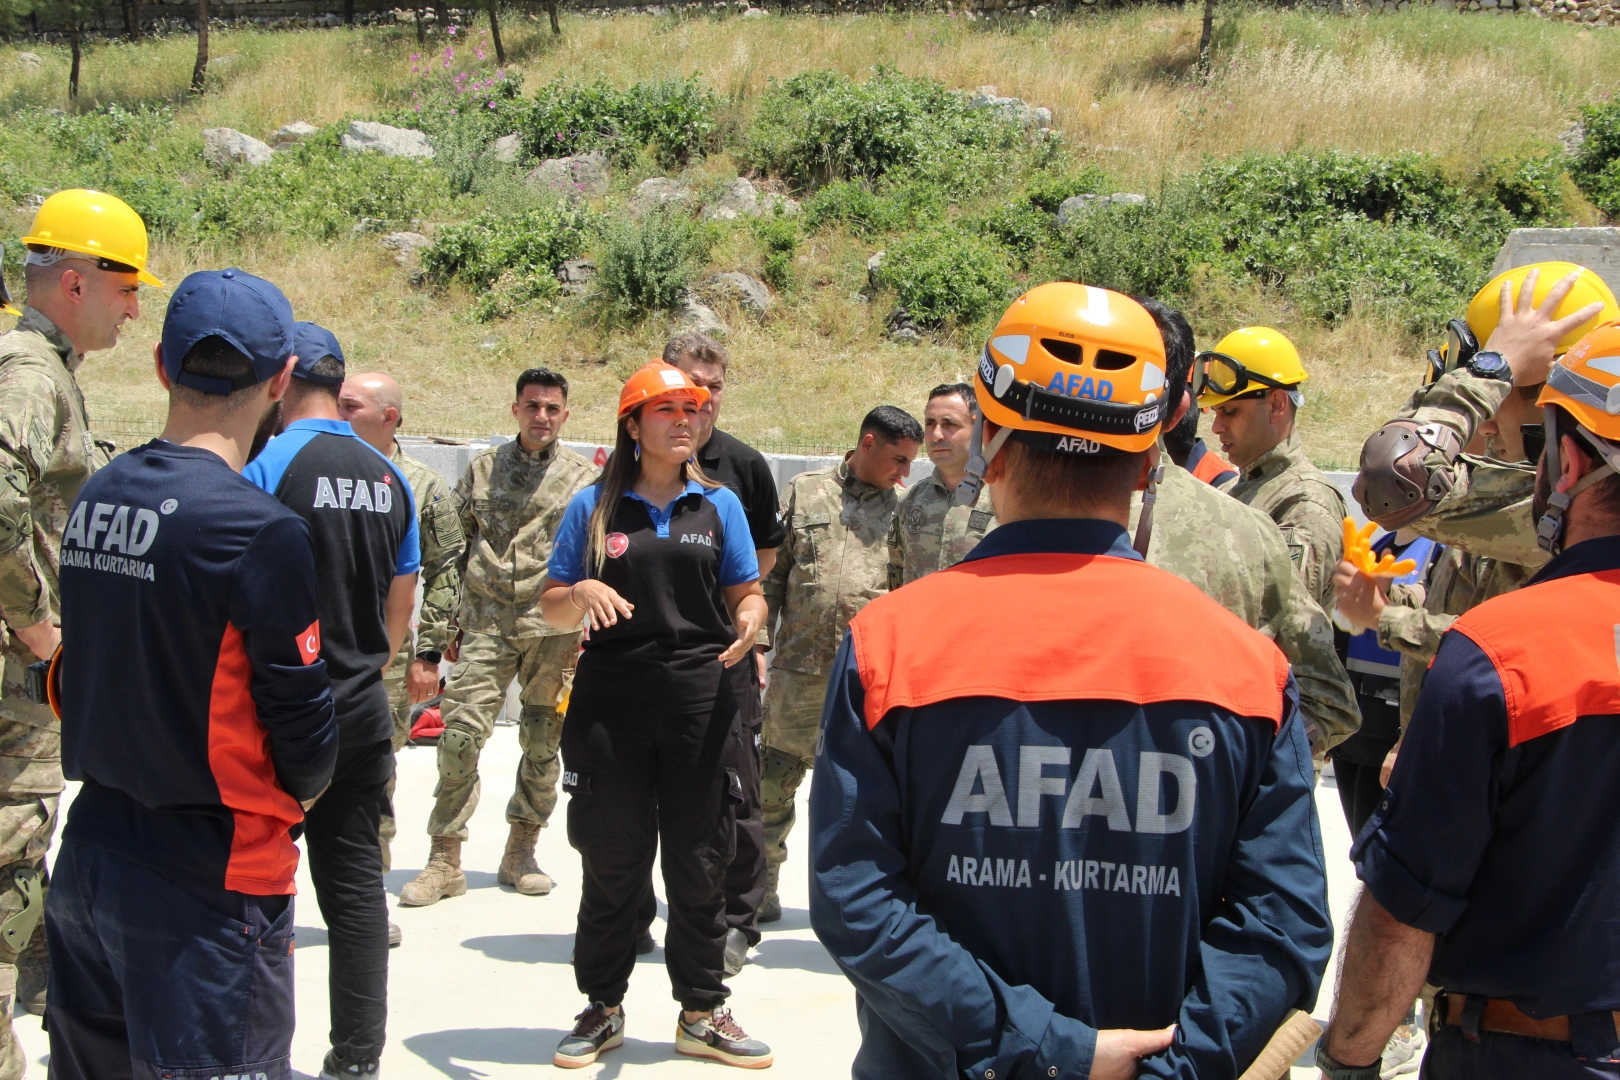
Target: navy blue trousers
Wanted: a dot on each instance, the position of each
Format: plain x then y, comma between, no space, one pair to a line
1454,1056
152,980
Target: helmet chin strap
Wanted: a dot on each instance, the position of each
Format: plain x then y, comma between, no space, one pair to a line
967,491
1550,529
1150,495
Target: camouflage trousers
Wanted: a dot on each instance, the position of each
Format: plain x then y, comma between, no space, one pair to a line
473,696
27,823
793,703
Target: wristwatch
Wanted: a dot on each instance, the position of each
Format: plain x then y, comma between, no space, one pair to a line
1334,1071
1489,365
429,656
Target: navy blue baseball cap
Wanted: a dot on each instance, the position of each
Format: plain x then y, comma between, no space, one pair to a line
246,311
312,344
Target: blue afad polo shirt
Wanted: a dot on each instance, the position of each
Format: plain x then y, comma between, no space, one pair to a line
1499,829
362,522
1032,819
738,563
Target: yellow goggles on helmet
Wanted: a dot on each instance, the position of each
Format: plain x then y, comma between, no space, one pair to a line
1226,376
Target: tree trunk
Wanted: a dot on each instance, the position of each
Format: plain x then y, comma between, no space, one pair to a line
551,9
132,20
348,12
441,16
200,73
1204,37
421,29
495,34
73,48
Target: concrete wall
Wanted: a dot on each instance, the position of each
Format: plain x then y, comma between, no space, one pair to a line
1598,249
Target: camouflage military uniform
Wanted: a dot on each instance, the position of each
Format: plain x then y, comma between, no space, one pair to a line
510,502
440,529
46,453
1484,520
833,562
1236,556
1306,507
930,532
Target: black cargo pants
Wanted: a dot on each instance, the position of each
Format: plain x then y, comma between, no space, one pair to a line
640,768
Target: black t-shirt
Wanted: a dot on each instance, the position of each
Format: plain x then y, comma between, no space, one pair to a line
362,519
744,470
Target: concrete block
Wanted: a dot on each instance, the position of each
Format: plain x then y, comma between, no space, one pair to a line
1597,249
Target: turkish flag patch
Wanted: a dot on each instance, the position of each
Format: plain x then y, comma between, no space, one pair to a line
617,544
309,643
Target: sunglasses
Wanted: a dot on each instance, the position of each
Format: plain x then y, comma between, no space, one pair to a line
1535,441
1218,373
1460,347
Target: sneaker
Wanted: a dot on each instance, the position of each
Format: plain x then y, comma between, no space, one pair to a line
718,1038
595,1030
1403,1056
736,951
340,1068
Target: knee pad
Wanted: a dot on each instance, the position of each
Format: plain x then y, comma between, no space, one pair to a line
542,732
458,755
780,777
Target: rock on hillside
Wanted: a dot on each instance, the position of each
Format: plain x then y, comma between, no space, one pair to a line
290,135
1071,209
365,136
224,147
582,174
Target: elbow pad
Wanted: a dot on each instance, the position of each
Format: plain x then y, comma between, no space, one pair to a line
1395,485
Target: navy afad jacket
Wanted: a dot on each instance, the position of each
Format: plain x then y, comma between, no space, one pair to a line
1035,824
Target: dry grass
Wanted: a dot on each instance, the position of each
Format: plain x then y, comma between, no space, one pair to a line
1455,86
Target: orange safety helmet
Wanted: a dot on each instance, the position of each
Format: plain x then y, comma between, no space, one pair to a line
1074,369
657,380
1584,382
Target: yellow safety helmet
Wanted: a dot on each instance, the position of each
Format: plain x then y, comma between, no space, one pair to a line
1485,310
94,223
1074,369
1254,358
6,307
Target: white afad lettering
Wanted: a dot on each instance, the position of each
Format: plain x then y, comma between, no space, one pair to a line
324,495
1033,782
1161,808
362,497
146,528
979,768
98,521
110,525
118,534
385,497
1150,793
345,489
74,533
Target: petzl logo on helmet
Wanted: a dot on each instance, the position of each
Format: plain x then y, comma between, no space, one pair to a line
617,544
1147,418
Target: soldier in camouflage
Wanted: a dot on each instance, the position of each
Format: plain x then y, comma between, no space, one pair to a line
374,406
834,561
930,531
1250,381
76,304
510,501
1236,556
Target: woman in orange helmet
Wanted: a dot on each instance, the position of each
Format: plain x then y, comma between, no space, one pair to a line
658,562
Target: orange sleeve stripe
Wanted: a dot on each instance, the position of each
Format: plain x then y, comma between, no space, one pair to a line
1552,675
263,857
1064,627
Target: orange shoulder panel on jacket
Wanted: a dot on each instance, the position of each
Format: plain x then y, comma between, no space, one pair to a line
1062,627
1210,466
1556,647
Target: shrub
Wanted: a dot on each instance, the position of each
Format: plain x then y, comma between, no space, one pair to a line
1047,192
821,126
510,259
672,117
462,111
1148,249
779,235
1596,169
866,212
319,192
646,265
945,276
1404,273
